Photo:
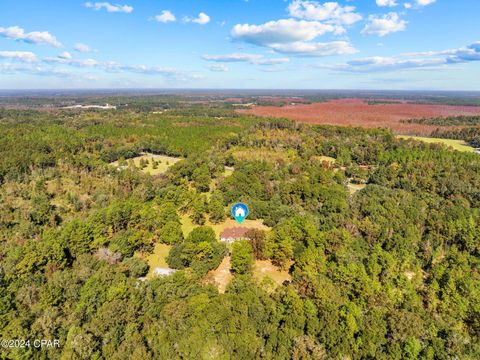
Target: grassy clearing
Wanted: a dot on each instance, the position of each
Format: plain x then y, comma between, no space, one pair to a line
326,159
458,145
157,259
262,269
188,226
265,268
162,163
228,171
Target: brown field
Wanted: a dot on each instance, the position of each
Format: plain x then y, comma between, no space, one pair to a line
357,112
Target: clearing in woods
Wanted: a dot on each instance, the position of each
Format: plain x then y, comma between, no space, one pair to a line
188,225
458,145
265,268
157,259
262,269
222,275
154,164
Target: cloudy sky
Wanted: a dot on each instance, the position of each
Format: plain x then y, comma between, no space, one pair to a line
291,44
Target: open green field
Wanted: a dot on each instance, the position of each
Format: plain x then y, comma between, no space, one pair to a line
458,145
157,164
322,159
157,259
188,225
228,171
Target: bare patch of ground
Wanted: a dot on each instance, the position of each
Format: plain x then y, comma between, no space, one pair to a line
221,276
265,268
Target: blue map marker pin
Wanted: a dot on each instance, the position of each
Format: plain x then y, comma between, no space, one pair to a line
240,212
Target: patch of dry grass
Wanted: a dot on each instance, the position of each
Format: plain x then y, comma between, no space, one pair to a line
265,268
221,276
326,159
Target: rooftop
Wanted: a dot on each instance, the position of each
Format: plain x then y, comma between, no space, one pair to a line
234,233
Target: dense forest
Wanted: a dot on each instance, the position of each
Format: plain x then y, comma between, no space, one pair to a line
469,134
447,121
389,271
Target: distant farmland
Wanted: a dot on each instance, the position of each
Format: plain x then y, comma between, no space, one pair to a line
357,112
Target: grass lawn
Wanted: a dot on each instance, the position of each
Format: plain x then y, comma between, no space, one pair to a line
228,171
265,268
458,145
188,226
327,159
157,259
164,162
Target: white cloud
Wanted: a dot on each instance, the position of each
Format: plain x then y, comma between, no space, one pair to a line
390,3
83,48
34,37
329,12
25,56
466,54
291,36
165,17
379,63
237,57
253,59
11,69
115,67
201,19
316,49
427,59
424,2
65,55
72,62
418,4
280,32
63,64
109,7
272,61
384,25
217,68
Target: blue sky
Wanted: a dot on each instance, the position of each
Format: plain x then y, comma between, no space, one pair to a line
279,44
